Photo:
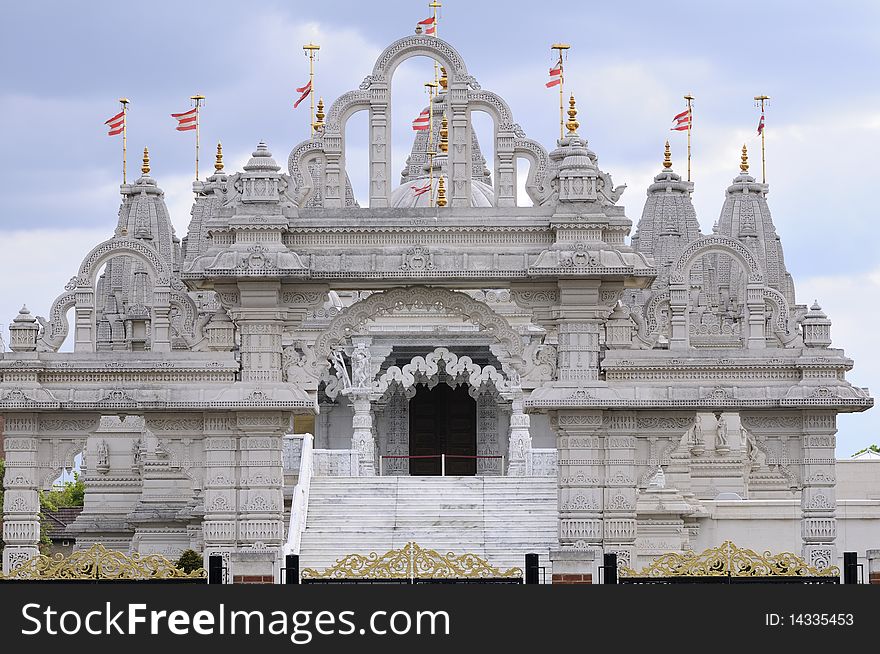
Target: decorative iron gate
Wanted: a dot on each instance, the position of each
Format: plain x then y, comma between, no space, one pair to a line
100,565
412,564
729,564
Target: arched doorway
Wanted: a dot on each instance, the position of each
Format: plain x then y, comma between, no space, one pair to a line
443,420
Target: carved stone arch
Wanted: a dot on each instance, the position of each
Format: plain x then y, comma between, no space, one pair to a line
304,185
348,321
782,322
720,244
69,449
116,247
537,186
188,308
56,328
416,45
343,108
652,311
420,368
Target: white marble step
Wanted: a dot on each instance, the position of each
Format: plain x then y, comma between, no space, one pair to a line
499,518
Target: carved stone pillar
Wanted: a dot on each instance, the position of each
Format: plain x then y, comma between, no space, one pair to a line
260,324
757,339
580,319
620,488
221,480
84,317
818,524
460,147
505,171
581,470
397,433
678,316
520,439
21,502
161,322
487,434
362,440
380,160
334,171
260,494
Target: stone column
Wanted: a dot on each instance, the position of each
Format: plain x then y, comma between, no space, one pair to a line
679,338
380,160
818,503
362,440
505,170
84,320
757,340
221,481
260,324
580,481
161,322
620,488
487,434
261,531
578,330
21,502
334,171
520,440
460,147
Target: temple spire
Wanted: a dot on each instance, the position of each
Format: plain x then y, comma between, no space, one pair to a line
744,160
218,161
667,157
145,168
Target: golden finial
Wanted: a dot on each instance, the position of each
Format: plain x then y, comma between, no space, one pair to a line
444,135
744,166
667,157
319,115
444,81
145,169
218,162
441,192
572,123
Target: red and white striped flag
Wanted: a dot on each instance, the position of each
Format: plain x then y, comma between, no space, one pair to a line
433,25
423,121
187,120
421,190
555,75
116,124
306,92
761,124
682,122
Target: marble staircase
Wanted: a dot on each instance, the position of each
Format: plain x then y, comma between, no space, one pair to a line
499,518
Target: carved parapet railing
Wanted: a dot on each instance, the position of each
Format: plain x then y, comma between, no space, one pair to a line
411,562
335,463
728,560
100,564
541,462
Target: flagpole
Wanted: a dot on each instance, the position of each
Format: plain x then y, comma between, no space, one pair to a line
561,47
762,99
310,50
689,99
198,99
124,102
431,86
435,5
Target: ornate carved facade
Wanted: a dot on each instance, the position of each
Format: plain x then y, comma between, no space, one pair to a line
655,378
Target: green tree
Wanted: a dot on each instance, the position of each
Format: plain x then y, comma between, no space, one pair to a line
73,493
870,448
189,561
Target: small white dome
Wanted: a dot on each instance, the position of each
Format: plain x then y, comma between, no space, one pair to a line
411,195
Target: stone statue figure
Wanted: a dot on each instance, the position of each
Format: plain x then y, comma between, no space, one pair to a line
722,442
697,440
757,457
137,451
103,462
360,366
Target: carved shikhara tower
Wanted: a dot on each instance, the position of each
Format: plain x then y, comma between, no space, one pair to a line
654,377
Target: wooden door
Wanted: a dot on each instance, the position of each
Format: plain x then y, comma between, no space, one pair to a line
442,420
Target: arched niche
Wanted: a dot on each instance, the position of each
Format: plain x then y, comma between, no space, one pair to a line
349,321
84,291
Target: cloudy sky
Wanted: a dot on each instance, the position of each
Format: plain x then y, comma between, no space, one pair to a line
64,65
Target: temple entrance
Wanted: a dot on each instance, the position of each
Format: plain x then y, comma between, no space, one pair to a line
443,420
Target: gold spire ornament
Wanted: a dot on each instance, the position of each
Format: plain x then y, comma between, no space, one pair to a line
218,160
444,135
444,80
744,161
441,192
319,116
145,168
572,123
667,157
